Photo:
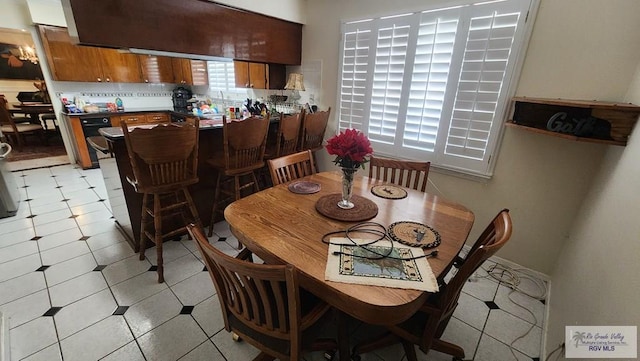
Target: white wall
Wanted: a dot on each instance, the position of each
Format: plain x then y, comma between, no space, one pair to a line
292,10
542,179
596,278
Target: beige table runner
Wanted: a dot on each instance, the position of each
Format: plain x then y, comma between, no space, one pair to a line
344,265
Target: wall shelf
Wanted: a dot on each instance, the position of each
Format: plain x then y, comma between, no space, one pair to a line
577,120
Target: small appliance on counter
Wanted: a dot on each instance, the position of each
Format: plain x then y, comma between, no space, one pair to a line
180,97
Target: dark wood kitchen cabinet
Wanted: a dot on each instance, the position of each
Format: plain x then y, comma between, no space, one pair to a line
258,75
156,69
191,72
70,62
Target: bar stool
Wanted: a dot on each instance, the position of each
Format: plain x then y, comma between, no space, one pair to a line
243,146
286,141
314,126
164,160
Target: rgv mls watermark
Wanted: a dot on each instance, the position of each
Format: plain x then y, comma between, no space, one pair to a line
601,341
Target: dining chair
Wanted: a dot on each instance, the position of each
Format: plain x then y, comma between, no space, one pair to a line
244,145
292,166
264,304
426,326
408,174
164,160
16,128
314,126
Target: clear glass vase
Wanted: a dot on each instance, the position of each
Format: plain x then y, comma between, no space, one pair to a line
347,188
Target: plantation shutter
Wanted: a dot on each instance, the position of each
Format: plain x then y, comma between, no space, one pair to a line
491,45
433,85
392,43
431,68
355,64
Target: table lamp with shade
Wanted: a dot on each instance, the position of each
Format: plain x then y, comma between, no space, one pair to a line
295,83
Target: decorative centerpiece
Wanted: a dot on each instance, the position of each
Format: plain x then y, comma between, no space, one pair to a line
351,149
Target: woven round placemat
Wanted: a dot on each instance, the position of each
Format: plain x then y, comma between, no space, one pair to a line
389,191
363,208
414,234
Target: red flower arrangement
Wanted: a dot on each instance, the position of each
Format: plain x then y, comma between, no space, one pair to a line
351,148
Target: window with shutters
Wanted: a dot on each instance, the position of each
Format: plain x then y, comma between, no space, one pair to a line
221,76
434,85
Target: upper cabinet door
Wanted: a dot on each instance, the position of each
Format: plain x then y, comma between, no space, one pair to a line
156,69
241,72
182,71
67,61
120,67
258,76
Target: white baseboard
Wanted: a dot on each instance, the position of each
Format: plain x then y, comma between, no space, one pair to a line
5,345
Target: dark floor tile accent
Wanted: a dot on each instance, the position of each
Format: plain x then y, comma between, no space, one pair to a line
36,238
24,175
112,217
24,187
52,311
101,200
222,239
120,310
492,305
73,216
28,199
153,268
53,176
84,238
91,187
83,176
186,310
204,269
535,358
100,268
42,268
65,200
59,187
544,302
31,216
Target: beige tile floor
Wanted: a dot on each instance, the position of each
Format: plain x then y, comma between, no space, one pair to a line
72,289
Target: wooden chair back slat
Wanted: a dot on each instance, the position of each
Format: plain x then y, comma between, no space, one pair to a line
163,155
245,142
258,295
492,239
292,166
314,126
288,134
408,174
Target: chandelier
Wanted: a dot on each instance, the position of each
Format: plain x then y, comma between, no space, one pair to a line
28,53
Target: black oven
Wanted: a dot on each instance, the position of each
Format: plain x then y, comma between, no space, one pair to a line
90,128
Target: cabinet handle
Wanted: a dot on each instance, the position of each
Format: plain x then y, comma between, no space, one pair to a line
251,85
146,80
108,79
246,85
99,79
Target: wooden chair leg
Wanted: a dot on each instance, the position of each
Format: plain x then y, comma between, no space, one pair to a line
255,182
410,351
215,204
157,222
192,207
236,187
143,225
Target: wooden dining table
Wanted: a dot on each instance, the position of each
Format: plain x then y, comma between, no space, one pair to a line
33,110
283,227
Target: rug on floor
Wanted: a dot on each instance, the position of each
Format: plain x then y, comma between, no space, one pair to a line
36,151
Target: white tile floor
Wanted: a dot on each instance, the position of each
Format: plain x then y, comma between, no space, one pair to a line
73,289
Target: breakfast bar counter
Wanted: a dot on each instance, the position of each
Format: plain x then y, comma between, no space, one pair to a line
126,204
